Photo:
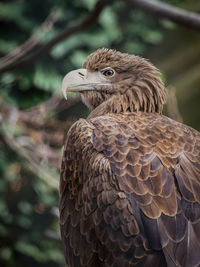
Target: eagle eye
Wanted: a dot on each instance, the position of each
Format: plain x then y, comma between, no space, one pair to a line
108,72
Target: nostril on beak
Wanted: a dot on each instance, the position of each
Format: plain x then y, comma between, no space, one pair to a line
81,74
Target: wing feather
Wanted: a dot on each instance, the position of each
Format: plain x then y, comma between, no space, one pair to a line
129,192
159,164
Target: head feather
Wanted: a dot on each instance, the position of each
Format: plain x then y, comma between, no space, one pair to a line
138,86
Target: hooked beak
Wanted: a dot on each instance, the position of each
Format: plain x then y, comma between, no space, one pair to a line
79,81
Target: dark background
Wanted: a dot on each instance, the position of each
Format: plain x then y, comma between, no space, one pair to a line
40,42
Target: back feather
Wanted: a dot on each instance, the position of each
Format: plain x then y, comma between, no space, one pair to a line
129,192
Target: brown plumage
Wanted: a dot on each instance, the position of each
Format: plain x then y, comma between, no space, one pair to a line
130,177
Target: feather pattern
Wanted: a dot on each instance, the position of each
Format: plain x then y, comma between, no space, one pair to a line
130,183
125,199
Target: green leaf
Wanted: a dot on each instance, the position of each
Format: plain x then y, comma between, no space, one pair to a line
4,213
78,58
5,253
23,221
3,230
30,250
25,207
47,78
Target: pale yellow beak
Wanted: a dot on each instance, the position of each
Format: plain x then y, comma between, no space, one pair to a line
81,80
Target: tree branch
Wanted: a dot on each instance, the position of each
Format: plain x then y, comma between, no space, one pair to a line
30,160
22,50
55,104
41,137
74,27
175,14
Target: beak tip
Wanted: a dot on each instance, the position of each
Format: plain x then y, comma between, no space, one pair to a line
64,89
64,92
71,79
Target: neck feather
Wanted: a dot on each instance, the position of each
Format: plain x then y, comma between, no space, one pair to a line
145,95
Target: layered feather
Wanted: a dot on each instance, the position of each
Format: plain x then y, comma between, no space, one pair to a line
130,192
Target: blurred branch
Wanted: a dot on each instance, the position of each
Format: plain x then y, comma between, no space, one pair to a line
30,51
55,104
19,52
36,122
172,105
31,161
74,27
175,14
40,138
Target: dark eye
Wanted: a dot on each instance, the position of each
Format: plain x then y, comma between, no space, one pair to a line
108,72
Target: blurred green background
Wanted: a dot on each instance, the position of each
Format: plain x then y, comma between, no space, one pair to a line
34,117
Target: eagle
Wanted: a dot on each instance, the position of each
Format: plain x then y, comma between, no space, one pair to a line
130,176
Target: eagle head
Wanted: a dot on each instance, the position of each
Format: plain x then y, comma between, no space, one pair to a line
111,81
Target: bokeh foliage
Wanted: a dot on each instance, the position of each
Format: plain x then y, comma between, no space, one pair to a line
29,231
